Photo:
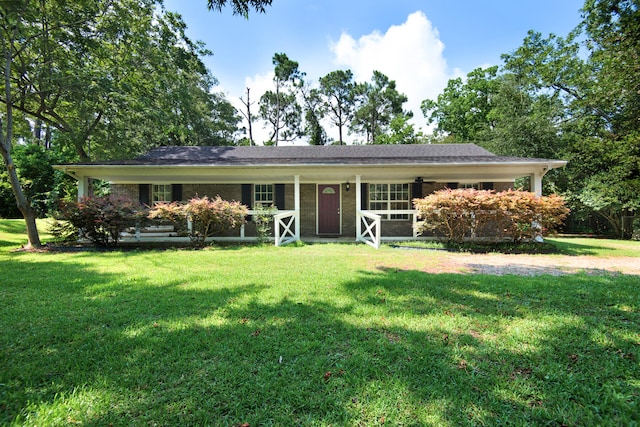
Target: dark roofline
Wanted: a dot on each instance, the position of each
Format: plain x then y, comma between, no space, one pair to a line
333,155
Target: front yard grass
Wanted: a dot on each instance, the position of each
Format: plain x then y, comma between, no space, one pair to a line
313,335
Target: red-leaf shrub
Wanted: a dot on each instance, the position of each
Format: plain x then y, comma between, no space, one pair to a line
452,213
102,219
208,216
467,214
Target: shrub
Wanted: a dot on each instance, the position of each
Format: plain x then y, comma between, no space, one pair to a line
452,213
211,216
208,216
466,213
99,219
173,213
526,215
263,218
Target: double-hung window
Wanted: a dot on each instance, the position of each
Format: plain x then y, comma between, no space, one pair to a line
160,193
391,197
263,194
470,185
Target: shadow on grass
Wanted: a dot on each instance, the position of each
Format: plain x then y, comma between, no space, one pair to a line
573,248
393,347
13,228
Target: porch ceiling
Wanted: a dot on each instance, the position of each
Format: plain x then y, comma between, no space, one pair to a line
443,172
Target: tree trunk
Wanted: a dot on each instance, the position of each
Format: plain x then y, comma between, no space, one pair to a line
21,200
249,119
6,141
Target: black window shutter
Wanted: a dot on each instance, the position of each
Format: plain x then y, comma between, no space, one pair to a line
416,190
278,196
452,185
246,198
176,192
487,185
143,194
246,195
364,196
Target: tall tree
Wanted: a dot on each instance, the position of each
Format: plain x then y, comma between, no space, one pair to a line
109,77
400,132
248,116
613,37
313,112
338,91
575,97
25,36
523,123
378,103
597,84
280,108
462,109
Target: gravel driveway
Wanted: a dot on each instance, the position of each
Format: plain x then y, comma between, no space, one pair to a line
533,265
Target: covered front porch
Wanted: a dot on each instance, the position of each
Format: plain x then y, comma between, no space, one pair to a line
353,193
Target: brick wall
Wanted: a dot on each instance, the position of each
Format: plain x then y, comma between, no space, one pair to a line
307,209
125,190
308,204
226,191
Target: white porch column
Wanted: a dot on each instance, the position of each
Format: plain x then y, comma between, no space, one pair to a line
358,207
536,183
83,187
296,187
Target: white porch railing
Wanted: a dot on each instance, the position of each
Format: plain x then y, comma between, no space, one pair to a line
284,224
369,230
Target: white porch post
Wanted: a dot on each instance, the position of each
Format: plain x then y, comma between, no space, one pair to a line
536,183
297,205
83,187
358,207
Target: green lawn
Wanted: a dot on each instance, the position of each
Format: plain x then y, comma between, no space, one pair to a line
318,335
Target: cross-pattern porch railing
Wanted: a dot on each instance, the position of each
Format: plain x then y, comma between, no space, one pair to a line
284,227
369,222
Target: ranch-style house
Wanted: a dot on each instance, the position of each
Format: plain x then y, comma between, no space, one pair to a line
352,192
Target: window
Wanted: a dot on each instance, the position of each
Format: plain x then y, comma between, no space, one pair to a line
161,193
263,194
389,197
473,185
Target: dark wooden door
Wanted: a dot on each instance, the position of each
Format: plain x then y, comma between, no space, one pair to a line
329,209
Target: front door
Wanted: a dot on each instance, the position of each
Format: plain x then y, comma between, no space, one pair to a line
329,209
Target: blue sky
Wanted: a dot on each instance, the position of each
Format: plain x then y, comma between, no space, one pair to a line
419,43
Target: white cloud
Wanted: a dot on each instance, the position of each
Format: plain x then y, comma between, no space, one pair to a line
410,53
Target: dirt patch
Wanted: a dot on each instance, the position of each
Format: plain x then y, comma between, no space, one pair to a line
535,265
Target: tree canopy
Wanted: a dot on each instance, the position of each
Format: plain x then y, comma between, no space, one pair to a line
95,80
240,7
575,97
109,79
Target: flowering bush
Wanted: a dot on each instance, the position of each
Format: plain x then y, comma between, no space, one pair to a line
467,214
208,216
100,219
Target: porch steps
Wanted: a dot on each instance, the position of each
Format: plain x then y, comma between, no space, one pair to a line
156,231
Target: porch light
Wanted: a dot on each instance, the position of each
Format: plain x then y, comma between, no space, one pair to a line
348,186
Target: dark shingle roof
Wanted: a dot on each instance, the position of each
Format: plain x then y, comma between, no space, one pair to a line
332,154
318,155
